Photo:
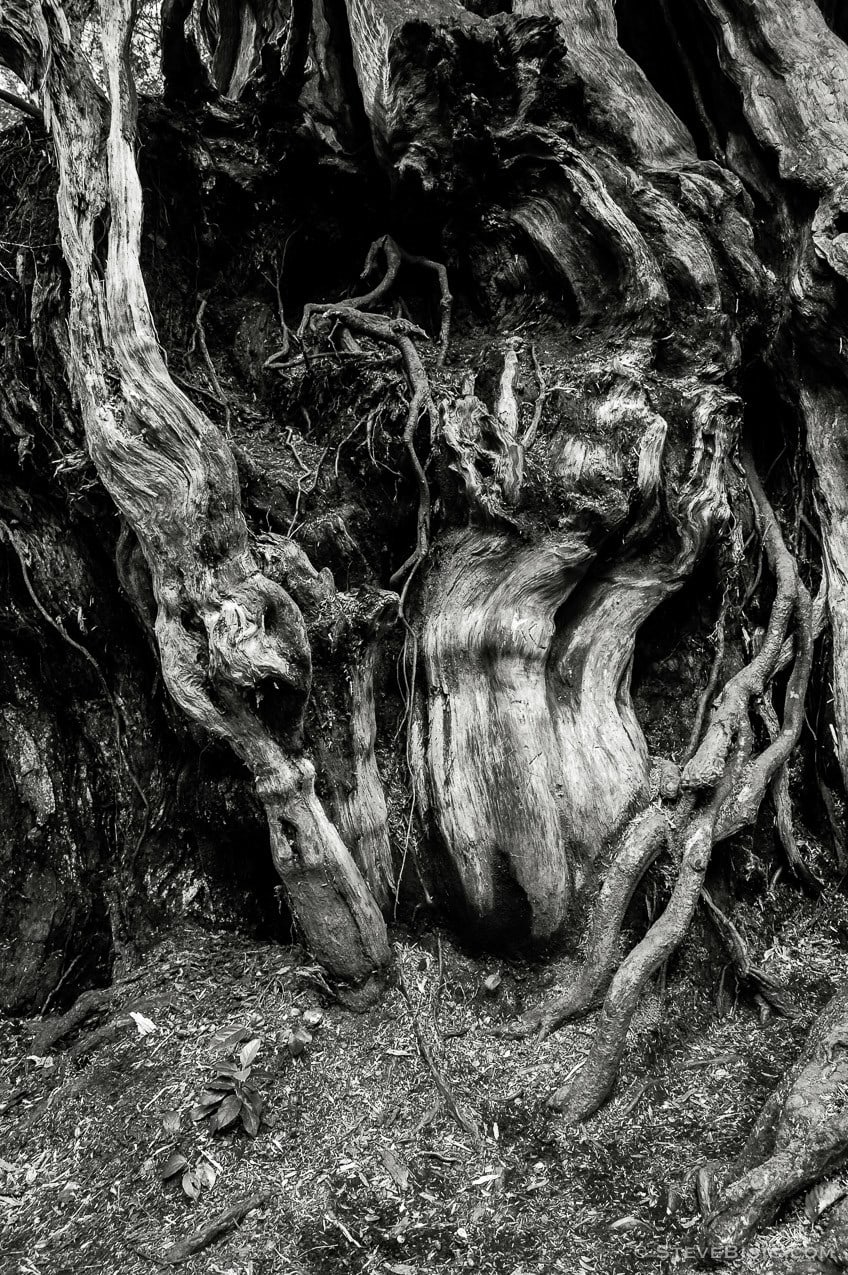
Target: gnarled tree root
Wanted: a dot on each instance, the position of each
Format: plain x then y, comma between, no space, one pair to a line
643,840
800,1134
722,789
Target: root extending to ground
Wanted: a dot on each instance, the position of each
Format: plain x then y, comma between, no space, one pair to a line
722,786
800,1133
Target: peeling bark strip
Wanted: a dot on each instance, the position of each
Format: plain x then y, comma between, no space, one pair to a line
227,633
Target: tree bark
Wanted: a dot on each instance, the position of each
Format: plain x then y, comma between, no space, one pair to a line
536,418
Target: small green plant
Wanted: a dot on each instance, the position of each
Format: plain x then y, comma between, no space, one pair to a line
229,1097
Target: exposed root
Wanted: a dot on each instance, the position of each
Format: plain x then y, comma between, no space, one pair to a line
643,840
95,1001
354,318
445,299
225,632
21,104
783,804
722,790
539,406
801,1133
708,693
198,340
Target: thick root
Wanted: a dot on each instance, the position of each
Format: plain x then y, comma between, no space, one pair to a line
800,1135
722,767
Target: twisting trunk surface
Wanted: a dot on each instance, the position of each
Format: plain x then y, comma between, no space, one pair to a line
227,633
516,311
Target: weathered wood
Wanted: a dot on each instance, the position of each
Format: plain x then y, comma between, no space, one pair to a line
172,475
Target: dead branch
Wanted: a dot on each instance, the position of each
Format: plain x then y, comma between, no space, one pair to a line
215,1229
464,1121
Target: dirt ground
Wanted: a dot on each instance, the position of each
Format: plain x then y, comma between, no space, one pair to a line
362,1165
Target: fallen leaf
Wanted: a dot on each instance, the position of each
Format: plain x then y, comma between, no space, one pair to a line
205,1174
175,1164
171,1122
821,1197
396,1167
190,1184
145,1025
297,1041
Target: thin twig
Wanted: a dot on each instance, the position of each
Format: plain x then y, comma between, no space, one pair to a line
199,339
465,1122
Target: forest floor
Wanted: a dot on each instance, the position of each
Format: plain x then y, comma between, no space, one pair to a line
360,1162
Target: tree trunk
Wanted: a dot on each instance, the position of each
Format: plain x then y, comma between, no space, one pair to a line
600,247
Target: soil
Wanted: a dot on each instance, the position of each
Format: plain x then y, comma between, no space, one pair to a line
364,1166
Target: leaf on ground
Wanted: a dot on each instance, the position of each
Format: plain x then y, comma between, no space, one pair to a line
249,1052
171,1122
191,1186
175,1164
821,1197
145,1025
397,1169
205,1174
297,1041
227,1113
